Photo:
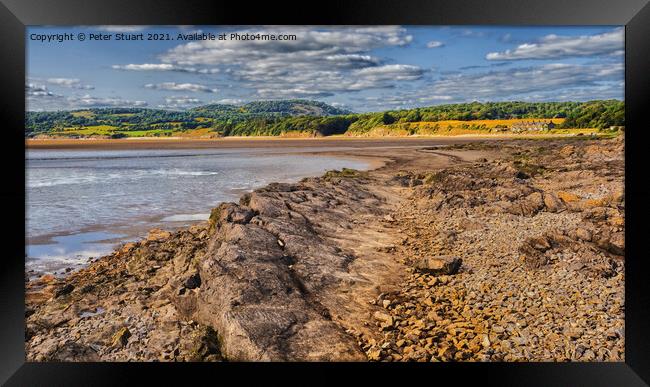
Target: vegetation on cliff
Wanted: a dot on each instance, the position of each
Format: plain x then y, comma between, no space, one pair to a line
312,118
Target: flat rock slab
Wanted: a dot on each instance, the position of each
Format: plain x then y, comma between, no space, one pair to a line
439,265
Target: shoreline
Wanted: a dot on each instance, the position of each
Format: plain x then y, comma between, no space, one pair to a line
265,141
135,233
331,263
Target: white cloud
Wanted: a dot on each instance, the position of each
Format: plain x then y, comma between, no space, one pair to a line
90,101
117,28
146,67
229,101
33,90
193,87
164,67
550,80
434,44
320,62
554,47
399,72
435,98
73,83
180,102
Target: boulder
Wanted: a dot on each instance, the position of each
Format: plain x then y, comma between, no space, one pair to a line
552,202
529,206
439,265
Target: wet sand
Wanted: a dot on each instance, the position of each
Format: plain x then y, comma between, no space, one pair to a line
253,142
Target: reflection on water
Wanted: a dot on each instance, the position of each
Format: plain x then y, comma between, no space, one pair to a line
80,204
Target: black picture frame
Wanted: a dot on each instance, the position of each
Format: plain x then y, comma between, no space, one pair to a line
15,15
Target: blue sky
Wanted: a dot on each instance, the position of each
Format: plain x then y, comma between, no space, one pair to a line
359,68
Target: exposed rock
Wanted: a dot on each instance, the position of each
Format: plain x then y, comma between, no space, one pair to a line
287,274
552,202
193,281
439,265
583,234
156,234
121,337
67,289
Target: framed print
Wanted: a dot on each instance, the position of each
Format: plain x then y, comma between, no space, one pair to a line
376,188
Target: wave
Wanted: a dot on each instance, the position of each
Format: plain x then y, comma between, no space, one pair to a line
91,178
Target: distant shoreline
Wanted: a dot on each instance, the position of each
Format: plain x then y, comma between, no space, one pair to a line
264,141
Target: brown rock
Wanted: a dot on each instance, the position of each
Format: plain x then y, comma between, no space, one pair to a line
121,337
384,317
617,243
529,206
567,197
552,202
157,234
541,243
583,234
439,265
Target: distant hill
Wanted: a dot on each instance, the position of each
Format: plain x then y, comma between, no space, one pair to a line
293,107
313,118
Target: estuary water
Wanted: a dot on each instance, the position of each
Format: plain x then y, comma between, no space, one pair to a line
82,204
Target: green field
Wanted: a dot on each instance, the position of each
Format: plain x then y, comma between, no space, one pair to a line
300,118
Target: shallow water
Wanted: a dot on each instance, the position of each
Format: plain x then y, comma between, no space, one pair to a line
81,204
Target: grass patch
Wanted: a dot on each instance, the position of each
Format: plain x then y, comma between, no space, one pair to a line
343,173
436,177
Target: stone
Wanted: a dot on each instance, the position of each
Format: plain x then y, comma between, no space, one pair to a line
552,202
374,354
439,265
389,218
583,234
383,317
485,342
617,243
529,206
121,337
567,197
67,289
157,234
193,281
541,243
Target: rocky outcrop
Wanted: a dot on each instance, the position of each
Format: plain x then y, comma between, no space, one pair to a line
367,266
542,247
264,275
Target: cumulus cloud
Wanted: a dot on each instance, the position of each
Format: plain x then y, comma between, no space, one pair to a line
554,47
192,87
319,63
180,102
35,87
125,29
604,80
434,44
163,67
90,101
398,72
73,83
36,90
229,101
550,82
